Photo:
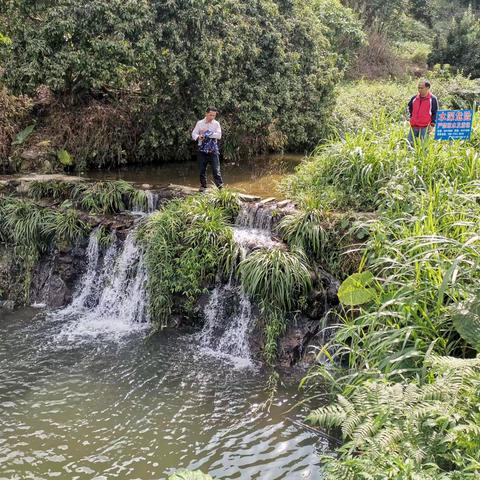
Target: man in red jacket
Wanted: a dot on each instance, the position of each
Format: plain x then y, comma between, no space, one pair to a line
423,112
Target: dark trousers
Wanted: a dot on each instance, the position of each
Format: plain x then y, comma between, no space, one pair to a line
203,160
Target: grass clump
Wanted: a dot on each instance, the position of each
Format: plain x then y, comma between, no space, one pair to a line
105,197
422,253
187,244
29,230
277,280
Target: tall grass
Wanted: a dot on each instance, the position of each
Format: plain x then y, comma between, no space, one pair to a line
29,230
423,248
99,197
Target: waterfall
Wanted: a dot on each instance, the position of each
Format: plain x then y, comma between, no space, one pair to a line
111,299
152,203
255,216
228,321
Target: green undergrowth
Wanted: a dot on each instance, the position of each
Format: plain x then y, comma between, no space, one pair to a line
417,330
187,244
426,430
27,230
278,280
98,198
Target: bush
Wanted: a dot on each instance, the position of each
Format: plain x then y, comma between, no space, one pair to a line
461,46
264,60
186,245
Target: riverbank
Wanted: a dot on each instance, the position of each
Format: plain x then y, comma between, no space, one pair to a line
403,362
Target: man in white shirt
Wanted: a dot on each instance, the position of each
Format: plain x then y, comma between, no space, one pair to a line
206,133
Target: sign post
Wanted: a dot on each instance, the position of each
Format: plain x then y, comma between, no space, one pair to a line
453,125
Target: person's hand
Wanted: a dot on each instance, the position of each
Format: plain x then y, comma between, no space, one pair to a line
201,137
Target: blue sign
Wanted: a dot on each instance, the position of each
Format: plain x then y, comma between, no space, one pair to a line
453,125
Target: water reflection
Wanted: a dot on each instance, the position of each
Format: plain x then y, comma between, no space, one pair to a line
139,408
255,176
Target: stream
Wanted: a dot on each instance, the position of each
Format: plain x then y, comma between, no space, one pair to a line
138,408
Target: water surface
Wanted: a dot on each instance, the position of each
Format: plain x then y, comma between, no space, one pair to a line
138,408
255,176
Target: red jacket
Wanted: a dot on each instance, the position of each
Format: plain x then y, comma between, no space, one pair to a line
423,110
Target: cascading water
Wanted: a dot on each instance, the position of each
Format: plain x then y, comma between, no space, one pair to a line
111,299
228,321
152,203
256,216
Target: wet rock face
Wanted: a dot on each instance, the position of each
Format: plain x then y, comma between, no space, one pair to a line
56,276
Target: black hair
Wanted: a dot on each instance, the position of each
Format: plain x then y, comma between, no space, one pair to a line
211,109
426,83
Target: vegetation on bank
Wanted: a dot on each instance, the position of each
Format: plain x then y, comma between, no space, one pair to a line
94,197
143,71
402,358
28,230
54,215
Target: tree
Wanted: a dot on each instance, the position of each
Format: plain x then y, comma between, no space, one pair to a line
76,47
461,46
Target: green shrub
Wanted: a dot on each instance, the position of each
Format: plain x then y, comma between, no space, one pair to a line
277,280
273,56
187,244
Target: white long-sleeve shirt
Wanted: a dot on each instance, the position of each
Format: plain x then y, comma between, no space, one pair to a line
202,126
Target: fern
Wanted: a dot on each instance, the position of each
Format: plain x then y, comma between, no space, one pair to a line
409,430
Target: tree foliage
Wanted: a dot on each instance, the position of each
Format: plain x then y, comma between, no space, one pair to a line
268,65
460,47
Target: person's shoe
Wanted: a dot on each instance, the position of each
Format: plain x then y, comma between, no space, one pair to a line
202,189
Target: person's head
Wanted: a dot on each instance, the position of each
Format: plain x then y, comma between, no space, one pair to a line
423,87
210,114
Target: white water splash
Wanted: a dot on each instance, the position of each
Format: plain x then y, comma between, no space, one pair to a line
250,238
225,335
111,300
255,216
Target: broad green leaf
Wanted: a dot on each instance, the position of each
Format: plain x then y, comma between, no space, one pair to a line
65,158
355,289
23,135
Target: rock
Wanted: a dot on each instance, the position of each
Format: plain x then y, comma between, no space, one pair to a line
7,304
47,166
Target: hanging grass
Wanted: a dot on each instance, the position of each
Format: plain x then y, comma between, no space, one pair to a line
275,277
304,229
29,230
277,280
98,197
187,244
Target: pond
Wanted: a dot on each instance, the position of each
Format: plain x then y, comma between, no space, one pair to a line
139,406
255,176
